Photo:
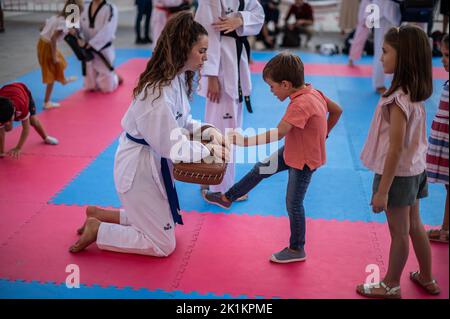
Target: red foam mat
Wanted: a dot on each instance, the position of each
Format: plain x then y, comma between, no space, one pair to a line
35,178
40,252
14,215
233,253
222,254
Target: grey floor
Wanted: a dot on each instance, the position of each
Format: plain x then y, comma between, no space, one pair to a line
18,43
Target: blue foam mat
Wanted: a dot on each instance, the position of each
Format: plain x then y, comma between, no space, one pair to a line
35,290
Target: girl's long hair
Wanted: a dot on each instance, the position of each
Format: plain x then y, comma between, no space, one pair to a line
413,72
170,55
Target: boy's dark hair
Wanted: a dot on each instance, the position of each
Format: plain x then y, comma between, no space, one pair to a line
285,67
6,110
413,73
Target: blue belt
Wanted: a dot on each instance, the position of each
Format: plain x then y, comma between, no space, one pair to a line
168,184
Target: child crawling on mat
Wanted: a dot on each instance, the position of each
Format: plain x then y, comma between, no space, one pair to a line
17,104
306,127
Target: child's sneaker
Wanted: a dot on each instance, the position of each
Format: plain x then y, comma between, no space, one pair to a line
51,140
70,79
288,256
51,105
216,199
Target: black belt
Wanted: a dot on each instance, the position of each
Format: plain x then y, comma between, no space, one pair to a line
102,57
241,43
168,184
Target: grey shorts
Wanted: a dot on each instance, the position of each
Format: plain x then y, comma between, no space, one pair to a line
405,190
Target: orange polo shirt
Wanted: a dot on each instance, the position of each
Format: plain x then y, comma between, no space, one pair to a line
305,142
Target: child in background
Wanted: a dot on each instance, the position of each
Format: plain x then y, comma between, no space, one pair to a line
437,156
305,127
17,104
395,150
50,58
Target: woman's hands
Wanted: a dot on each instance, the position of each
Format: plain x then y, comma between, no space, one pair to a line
218,145
228,24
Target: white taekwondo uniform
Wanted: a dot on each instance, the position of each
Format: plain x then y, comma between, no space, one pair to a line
390,17
99,30
222,62
146,223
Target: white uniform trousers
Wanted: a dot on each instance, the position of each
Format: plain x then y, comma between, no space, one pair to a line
98,76
224,115
378,72
146,223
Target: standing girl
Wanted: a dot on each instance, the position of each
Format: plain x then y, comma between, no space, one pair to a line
51,60
395,150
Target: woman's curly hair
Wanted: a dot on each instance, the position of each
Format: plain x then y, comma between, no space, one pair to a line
170,55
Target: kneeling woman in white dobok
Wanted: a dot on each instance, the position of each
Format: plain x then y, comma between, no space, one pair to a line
146,224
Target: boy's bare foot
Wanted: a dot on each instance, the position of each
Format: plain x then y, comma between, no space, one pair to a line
350,62
89,235
91,211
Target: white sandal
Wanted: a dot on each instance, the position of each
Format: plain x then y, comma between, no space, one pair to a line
441,238
391,292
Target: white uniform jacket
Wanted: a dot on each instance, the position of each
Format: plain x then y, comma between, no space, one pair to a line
160,123
222,59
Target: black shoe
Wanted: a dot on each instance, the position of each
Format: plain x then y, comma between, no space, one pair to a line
216,199
148,40
140,41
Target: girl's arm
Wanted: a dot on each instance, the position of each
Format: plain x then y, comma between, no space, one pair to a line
270,136
335,112
397,131
54,38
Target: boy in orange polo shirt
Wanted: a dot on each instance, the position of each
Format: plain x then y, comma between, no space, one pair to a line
306,127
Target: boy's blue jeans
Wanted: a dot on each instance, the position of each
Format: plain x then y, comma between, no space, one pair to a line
296,190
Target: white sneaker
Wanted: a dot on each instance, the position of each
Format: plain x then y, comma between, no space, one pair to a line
51,105
51,140
70,79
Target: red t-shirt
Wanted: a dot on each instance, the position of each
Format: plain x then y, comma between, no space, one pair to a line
305,142
18,94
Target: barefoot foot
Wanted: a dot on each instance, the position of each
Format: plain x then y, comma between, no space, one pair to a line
88,237
91,211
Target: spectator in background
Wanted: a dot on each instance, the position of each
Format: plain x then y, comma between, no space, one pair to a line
304,17
144,8
272,14
348,15
444,12
2,26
